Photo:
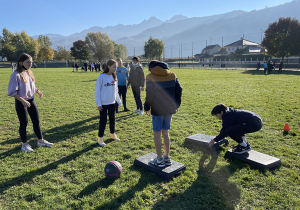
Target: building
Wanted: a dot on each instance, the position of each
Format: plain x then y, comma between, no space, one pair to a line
208,50
246,46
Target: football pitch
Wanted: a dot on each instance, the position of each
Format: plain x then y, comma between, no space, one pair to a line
70,175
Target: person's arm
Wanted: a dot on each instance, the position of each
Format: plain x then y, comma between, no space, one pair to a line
227,122
98,92
178,93
117,94
39,92
149,95
142,78
23,101
129,82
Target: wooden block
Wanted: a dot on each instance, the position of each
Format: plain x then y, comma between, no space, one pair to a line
257,159
166,172
202,140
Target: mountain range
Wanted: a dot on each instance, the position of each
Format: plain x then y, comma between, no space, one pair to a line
193,34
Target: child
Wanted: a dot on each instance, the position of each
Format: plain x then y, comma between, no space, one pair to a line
137,82
163,97
122,75
265,67
236,123
106,95
22,87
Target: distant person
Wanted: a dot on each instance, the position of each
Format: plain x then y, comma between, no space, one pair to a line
280,67
103,66
270,67
92,67
73,65
274,65
12,67
235,124
76,66
85,66
163,98
265,67
137,82
178,65
106,95
123,76
22,87
257,67
34,65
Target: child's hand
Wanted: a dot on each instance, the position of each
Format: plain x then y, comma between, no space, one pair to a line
148,113
40,93
211,143
100,108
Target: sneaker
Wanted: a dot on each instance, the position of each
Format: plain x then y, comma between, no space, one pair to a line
44,143
114,136
158,163
26,148
141,112
136,111
100,142
167,161
240,149
126,110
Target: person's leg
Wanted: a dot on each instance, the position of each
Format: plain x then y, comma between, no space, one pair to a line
139,100
35,118
165,134
111,115
23,118
237,132
103,120
134,91
157,142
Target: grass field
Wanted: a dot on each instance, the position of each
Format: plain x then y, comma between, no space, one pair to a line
70,175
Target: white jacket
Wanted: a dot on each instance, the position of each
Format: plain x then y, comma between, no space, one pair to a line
106,90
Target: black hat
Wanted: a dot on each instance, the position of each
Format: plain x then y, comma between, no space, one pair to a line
161,64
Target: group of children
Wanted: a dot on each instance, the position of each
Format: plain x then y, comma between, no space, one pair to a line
163,98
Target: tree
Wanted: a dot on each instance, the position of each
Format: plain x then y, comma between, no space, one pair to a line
80,50
46,53
282,38
153,48
120,51
61,53
99,45
7,42
44,41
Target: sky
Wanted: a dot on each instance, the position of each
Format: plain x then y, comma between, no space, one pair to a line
66,17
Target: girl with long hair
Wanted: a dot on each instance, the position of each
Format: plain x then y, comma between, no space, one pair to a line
106,95
22,87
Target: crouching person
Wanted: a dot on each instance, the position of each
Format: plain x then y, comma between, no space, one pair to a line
163,97
235,124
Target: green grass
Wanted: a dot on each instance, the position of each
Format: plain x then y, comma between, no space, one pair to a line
70,175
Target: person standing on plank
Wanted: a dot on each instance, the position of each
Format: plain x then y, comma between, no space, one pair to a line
163,97
22,87
122,75
137,82
106,95
236,123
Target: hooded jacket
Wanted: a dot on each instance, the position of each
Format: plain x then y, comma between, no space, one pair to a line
163,92
233,117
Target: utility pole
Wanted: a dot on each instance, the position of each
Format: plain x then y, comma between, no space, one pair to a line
134,51
171,52
192,49
179,50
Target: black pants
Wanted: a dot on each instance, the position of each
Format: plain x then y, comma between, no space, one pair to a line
23,118
237,131
103,119
137,96
122,93
265,70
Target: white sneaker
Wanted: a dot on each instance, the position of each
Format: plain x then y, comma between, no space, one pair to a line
44,143
100,142
136,111
141,112
114,136
26,148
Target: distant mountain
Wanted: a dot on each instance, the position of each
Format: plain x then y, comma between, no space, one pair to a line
176,18
180,29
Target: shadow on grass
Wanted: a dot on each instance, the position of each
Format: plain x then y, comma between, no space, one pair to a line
55,135
261,72
145,180
211,189
30,175
92,80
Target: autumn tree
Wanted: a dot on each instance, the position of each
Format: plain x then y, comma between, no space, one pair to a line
44,41
46,53
99,45
282,38
153,48
60,53
120,51
80,50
